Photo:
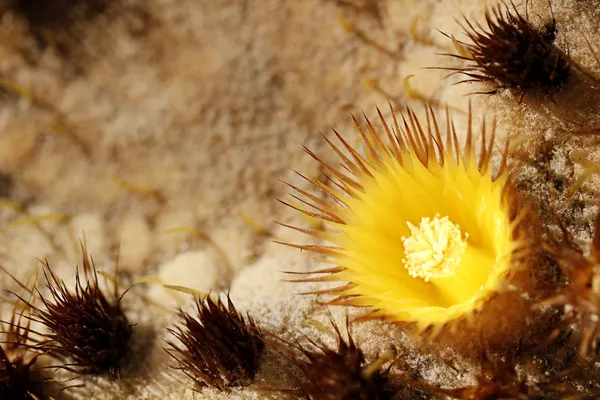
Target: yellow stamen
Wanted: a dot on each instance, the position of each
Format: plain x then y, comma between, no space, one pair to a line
434,248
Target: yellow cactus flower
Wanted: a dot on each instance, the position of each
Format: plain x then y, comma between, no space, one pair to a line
419,230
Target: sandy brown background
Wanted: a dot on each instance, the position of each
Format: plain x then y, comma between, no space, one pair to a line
166,114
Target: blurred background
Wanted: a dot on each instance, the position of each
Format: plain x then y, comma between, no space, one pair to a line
163,129
131,118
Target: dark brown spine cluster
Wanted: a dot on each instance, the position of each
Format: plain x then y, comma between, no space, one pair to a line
498,379
512,53
342,373
219,347
580,296
20,377
86,329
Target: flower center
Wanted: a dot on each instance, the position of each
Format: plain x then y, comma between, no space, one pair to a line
434,248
